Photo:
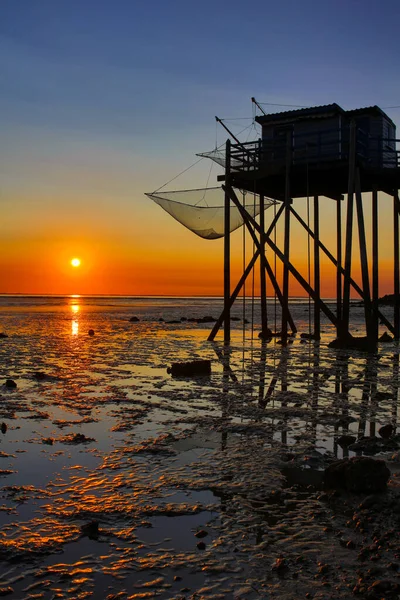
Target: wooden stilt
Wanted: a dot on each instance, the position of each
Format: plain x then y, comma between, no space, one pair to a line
285,284
244,276
227,241
317,286
235,293
364,261
375,262
263,282
396,264
339,263
353,283
344,326
251,223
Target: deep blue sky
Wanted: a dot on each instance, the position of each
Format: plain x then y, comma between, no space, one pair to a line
140,68
101,100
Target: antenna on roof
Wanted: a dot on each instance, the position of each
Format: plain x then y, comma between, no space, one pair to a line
254,101
228,130
232,135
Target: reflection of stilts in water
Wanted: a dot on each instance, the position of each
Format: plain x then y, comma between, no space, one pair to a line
263,359
280,374
315,391
342,399
395,387
224,357
227,373
374,405
263,400
284,387
370,367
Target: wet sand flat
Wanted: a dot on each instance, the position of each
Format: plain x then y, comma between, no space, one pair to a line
119,481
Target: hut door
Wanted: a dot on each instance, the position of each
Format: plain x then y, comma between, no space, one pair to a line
280,141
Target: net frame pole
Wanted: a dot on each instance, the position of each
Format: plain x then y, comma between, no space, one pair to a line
227,248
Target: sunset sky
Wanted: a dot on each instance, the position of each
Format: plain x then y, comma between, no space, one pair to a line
101,101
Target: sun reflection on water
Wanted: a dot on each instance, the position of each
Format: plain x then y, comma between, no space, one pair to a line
75,308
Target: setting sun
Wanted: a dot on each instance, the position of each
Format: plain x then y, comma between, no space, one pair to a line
75,262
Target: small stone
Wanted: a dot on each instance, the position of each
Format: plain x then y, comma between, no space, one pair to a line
146,524
386,431
358,474
201,534
136,320
190,369
3,335
6,591
3,428
201,546
385,337
280,564
91,332
49,441
90,529
10,383
346,440
39,375
177,578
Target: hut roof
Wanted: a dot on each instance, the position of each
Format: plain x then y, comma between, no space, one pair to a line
301,113
315,112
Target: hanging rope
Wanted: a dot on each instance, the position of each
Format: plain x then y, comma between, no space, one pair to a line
195,163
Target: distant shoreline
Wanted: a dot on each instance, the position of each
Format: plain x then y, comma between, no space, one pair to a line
389,300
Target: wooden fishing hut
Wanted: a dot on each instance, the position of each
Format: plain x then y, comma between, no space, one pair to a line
327,154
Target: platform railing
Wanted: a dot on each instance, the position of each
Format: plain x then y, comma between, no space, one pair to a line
316,148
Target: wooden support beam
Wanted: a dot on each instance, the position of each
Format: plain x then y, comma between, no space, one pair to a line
278,293
323,307
249,220
339,262
285,282
396,266
263,283
244,276
251,224
227,250
233,297
375,262
317,283
344,325
335,262
364,260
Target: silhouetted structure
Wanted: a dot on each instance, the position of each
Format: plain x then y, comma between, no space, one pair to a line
313,152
